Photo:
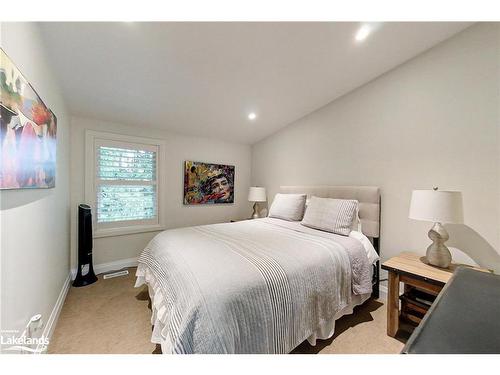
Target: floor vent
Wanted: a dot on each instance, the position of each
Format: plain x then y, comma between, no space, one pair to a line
110,275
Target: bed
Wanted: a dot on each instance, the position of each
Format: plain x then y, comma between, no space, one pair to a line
259,286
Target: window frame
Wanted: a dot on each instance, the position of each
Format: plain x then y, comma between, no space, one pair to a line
94,139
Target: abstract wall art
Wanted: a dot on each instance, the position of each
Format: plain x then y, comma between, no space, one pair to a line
27,133
208,183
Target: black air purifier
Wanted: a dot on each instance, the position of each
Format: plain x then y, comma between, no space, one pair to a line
84,247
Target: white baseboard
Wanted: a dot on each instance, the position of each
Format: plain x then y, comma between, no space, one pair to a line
54,315
383,292
110,266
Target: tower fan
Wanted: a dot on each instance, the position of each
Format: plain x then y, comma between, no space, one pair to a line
84,247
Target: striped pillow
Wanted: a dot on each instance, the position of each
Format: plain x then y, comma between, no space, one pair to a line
331,215
288,206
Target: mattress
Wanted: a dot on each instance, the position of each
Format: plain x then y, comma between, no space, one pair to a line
256,286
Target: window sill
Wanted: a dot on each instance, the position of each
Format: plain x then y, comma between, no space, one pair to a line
112,232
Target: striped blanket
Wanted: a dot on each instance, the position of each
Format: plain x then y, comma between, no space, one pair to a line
248,287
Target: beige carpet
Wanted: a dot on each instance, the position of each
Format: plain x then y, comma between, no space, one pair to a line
106,317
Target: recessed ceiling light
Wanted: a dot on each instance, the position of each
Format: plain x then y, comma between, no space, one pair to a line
252,116
363,33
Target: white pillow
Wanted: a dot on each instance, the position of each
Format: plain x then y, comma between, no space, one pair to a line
331,215
288,206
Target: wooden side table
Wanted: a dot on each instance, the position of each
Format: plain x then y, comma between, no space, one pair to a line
411,270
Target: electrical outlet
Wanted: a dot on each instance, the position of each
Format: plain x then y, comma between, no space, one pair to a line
35,323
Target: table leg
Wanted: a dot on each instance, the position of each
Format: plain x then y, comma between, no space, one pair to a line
393,304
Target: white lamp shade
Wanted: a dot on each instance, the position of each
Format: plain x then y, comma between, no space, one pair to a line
257,194
437,206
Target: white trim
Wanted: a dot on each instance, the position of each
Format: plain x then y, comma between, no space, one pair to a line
110,266
56,311
128,230
383,284
382,292
91,137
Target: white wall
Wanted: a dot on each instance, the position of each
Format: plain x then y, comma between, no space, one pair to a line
34,223
178,149
433,121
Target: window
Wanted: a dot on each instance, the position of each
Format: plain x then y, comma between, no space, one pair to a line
123,182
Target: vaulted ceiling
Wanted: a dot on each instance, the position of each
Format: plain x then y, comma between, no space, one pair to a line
205,78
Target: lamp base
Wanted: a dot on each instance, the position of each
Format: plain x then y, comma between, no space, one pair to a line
255,214
437,253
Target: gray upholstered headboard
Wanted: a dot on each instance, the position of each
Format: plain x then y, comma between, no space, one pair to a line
367,196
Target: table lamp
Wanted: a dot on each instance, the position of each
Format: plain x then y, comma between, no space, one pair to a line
439,207
256,194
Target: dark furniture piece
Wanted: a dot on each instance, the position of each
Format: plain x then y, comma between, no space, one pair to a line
84,247
464,319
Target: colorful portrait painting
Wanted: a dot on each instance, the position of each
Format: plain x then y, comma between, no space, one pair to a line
208,183
27,133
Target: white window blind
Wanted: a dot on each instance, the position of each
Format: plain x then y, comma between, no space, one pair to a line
126,183
124,178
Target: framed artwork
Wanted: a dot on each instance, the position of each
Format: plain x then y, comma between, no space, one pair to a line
208,183
27,133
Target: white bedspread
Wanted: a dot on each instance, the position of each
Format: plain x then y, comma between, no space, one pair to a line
256,286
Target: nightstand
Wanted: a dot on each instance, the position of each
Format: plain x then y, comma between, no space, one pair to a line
410,269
